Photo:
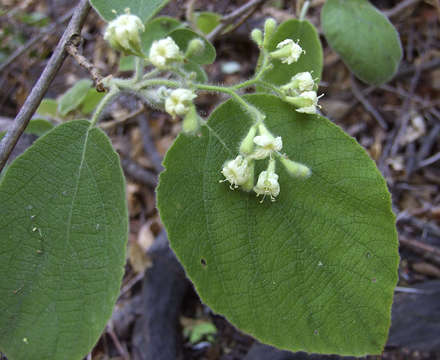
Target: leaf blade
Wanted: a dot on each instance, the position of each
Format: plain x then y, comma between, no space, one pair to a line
364,38
259,264
67,253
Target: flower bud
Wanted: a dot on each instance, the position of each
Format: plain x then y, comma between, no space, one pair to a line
247,145
269,28
289,51
249,184
123,34
195,47
191,121
296,169
257,36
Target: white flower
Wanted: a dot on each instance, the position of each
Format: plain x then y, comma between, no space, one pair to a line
289,51
179,102
236,171
310,97
299,83
266,145
164,51
267,184
123,33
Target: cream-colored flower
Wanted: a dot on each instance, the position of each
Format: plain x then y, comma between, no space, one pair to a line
236,171
266,145
312,98
267,184
288,51
299,83
123,33
179,102
163,52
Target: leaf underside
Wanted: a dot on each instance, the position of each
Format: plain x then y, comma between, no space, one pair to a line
63,230
145,9
313,271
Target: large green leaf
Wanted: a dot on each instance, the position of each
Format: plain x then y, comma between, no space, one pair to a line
310,61
363,37
63,230
316,269
145,9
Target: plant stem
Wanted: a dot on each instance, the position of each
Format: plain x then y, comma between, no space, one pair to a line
102,105
252,110
154,82
138,68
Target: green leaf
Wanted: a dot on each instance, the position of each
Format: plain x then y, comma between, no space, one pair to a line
157,29
48,107
363,37
201,75
74,97
308,38
63,231
207,21
145,9
182,37
38,127
91,101
316,269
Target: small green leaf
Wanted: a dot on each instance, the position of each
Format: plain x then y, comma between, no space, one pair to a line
363,37
311,61
157,29
38,127
201,75
200,331
48,107
91,100
74,97
313,271
207,21
63,232
145,9
182,37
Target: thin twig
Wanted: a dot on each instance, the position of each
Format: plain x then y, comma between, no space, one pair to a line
396,10
111,124
138,173
430,253
33,100
34,40
228,19
429,161
72,49
366,104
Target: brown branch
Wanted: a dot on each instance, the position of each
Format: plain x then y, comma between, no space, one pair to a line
429,252
230,18
33,100
396,10
72,49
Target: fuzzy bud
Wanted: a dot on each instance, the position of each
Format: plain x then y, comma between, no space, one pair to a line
191,121
195,47
296,169
257,36
247,145
269,28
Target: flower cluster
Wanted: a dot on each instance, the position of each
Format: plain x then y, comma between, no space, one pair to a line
164,52
123,33
300,92
240,171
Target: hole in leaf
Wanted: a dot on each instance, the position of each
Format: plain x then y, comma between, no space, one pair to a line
203,262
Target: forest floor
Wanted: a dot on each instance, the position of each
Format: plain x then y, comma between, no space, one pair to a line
397,123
